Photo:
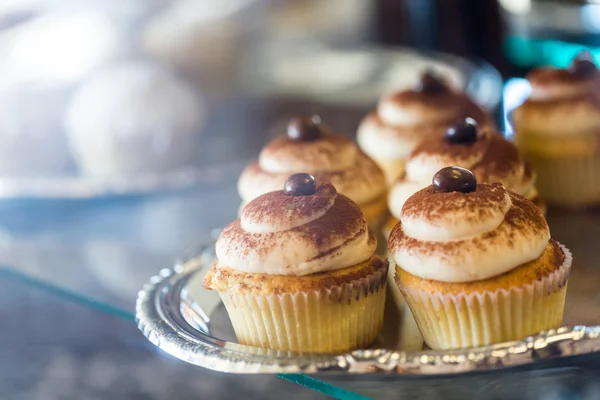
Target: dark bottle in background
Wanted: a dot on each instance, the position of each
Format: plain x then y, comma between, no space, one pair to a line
513,35
469,28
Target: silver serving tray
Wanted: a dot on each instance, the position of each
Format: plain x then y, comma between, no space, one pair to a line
182,318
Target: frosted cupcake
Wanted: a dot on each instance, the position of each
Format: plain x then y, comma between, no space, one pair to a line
476,263
558,130
404,119
312,147
485,153
297,271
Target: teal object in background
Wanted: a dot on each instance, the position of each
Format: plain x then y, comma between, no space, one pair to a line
527,52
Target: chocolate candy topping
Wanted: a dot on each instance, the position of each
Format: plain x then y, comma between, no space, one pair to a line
454,179
463,132
431,83
583,65
304,129
300,185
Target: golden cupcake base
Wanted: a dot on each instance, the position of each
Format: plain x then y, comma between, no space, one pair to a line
522,302
569,182
328,312
307,321
567,168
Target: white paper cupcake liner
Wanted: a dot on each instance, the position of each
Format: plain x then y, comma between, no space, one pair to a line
480,318
569,181
330,320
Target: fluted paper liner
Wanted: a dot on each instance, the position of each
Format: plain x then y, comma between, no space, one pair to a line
566,180
480,318
335,319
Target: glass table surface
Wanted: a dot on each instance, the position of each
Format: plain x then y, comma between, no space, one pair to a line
58,345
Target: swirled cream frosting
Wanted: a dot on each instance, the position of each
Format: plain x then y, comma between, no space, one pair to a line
329,158
282,234
404,119
563,102
465,237
491,158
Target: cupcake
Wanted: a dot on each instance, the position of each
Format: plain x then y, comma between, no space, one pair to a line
485,153
310,146
558,130
297,271
476,264
402,120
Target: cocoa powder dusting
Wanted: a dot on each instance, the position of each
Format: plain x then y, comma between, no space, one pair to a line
455,151
342,218
279,207
328,223
445,99
429,205
548,76
501,159
432,205
311,152
524,214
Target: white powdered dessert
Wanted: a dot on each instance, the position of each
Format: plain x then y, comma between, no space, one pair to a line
134,118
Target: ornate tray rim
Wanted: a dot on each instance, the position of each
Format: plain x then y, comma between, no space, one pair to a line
165,327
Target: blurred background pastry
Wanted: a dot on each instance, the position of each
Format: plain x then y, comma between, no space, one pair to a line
202,38
313,147
404,119
32,140
133,118
558,130
69,44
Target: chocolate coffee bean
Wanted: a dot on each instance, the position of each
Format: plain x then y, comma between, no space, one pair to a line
583,65
300,185
463,132
454,179
304,128
431,83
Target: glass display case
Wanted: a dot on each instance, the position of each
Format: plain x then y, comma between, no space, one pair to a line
75,250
